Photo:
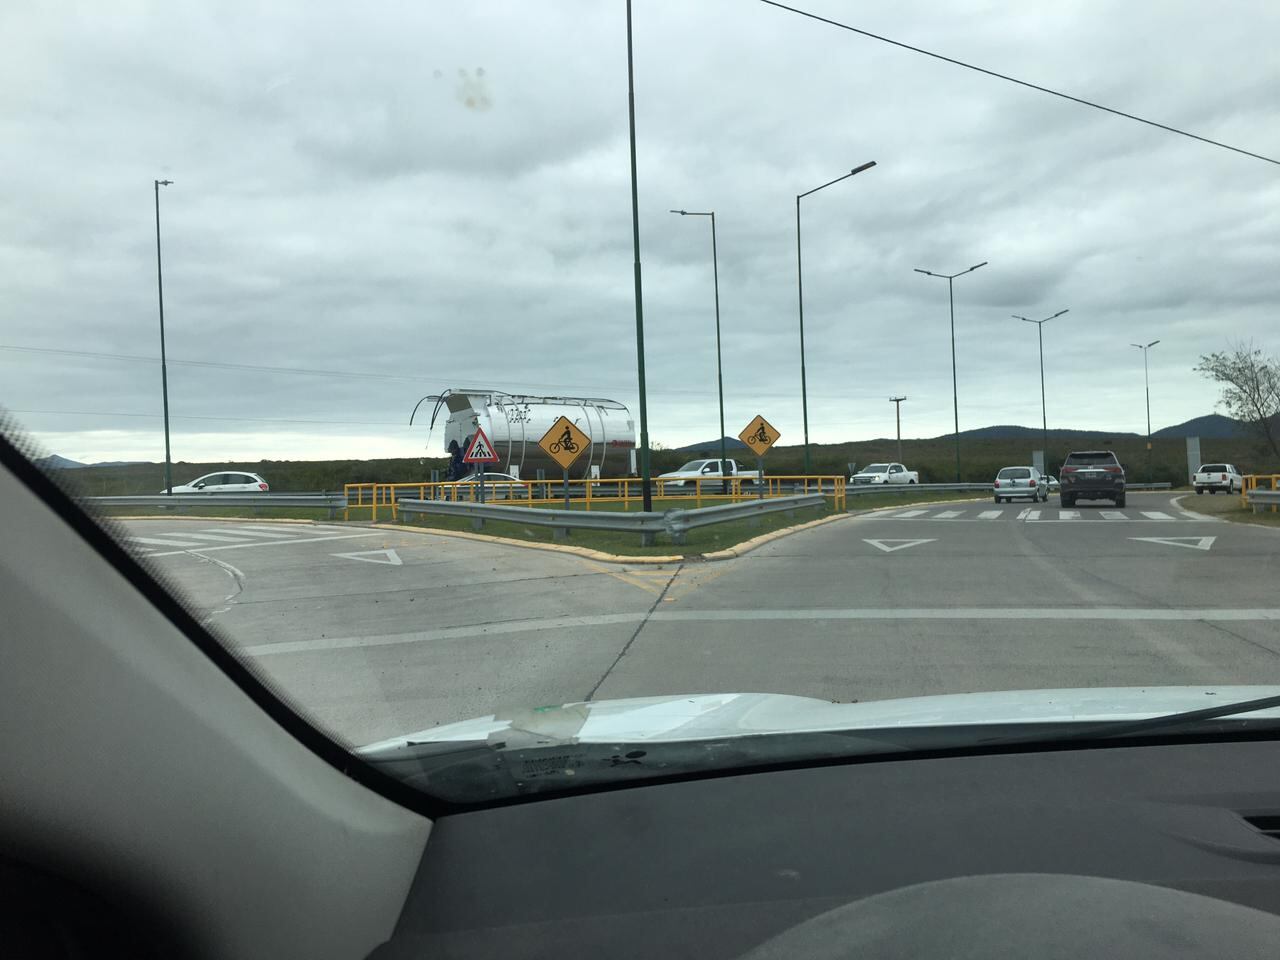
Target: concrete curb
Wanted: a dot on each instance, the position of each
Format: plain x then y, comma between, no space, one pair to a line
508,542
729,553
746,546
156,516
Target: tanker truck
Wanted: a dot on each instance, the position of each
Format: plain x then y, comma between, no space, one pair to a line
514,423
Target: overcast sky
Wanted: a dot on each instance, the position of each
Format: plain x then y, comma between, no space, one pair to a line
403,198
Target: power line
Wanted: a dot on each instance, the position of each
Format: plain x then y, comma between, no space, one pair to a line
1021,83
355,374
176,416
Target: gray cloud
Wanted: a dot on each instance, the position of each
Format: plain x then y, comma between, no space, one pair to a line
339,204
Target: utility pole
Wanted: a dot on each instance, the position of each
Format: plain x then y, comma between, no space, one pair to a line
164,370
897,414
645,483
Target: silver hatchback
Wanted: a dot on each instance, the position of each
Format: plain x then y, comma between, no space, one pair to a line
1026,483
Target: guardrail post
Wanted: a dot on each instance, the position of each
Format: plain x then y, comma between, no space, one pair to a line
677,528
560,533
477,524
646,538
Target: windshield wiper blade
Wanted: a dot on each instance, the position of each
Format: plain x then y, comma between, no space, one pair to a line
1101,730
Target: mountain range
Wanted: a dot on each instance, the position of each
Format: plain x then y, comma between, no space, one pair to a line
1211,427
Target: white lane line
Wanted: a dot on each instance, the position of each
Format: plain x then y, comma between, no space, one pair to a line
508,627
246,532
1156,515
216,537
159,542
1068,514
990,514
1032,514
272,543
948,514
1113,515
910,513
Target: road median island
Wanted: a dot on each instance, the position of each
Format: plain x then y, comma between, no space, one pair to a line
715,542
1226,506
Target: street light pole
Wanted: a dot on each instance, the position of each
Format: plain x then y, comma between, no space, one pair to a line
804,386
897,413
715,273
1146,382
1044,416
164,371
955,393
645,483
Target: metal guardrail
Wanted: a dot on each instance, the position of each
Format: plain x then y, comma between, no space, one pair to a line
859,489
673,523
1166,485
333,502
1261,499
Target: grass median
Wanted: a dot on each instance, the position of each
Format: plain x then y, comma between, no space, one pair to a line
701,540
1227,507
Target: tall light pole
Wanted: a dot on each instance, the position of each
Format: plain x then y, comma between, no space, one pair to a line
1044,416
897,413
164,370
955,393
804,386
715,273
645,484
1146,382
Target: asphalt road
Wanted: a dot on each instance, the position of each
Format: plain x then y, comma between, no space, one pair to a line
379,632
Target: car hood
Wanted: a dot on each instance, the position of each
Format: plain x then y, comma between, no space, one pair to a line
699,716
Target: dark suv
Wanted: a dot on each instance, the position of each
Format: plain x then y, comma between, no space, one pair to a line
1091,475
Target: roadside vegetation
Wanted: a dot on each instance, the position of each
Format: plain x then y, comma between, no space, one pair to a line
1228,507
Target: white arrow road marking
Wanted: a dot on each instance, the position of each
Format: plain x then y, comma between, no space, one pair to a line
373,556
1191,543
896,544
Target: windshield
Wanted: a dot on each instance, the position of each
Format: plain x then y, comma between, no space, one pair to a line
338,265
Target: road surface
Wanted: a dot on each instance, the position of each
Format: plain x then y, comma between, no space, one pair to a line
375,632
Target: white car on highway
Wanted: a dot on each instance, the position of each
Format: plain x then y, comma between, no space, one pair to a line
227,482
1218,476
707,470
1025,483
885,473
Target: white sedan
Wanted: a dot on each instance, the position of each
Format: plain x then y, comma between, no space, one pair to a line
229,482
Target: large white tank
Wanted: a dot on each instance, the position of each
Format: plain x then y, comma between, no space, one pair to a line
514,423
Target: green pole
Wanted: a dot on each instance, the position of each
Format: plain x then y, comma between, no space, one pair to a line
645,483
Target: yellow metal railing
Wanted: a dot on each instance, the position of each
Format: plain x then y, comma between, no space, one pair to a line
382,497
1255,482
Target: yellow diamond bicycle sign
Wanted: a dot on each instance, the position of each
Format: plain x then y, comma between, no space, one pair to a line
564,442
759,436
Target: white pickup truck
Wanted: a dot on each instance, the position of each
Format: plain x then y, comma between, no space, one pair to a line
885,473
706,470
1218,476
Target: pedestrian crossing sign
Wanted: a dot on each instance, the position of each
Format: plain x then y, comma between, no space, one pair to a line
481,450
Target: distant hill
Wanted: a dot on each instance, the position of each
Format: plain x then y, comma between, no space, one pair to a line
1213,427
55,462
712,447
1012,432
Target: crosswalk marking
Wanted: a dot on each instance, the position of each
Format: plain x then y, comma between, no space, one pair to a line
1068,514
216,537
1022,514
1156,515
949,514
1113,515
159,542
990,514
269,534
1033,514
911,513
